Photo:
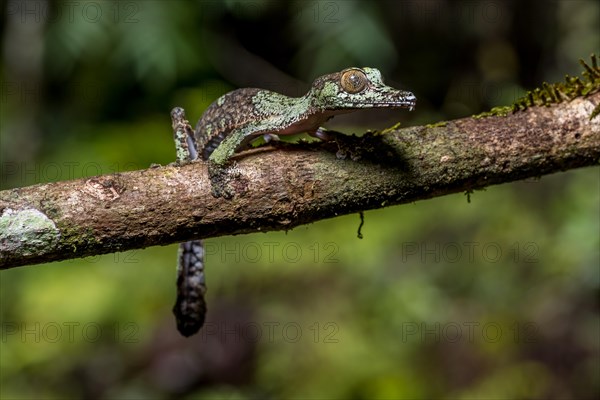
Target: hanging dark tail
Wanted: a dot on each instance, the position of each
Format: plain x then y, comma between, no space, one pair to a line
190,306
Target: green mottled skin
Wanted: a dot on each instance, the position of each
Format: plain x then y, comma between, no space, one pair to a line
240,116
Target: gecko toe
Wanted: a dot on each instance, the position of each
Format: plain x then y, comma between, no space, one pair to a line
220,180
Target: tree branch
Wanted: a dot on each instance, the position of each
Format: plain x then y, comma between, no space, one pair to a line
293,184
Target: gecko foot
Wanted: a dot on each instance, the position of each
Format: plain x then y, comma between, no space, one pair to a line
220,179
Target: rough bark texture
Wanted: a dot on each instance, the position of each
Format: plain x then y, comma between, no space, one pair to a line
293,184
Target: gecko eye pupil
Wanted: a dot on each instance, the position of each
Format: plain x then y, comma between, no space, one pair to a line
353,81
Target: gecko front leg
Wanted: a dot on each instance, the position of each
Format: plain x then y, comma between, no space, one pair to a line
326,135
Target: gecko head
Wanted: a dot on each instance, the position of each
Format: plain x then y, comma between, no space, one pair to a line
357,88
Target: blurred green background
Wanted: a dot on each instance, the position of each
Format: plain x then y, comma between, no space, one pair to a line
496,298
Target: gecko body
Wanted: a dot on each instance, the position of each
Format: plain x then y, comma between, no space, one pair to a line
235,119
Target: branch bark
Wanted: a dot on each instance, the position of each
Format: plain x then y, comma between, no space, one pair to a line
294,185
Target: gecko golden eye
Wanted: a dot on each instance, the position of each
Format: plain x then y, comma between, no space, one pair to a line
353,81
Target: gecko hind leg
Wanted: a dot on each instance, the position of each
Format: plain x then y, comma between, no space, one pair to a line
221,170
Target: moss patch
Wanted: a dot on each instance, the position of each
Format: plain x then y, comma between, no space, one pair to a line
555,93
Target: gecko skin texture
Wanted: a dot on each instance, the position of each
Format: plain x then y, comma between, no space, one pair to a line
235,119
240,116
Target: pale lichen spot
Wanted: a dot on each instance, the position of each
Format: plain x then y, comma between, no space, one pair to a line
27,232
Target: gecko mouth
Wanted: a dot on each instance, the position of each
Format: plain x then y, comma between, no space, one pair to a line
404,101
410,104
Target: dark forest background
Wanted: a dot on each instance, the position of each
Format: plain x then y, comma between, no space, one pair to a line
496,297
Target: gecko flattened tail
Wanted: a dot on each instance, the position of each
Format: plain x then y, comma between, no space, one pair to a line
190,307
